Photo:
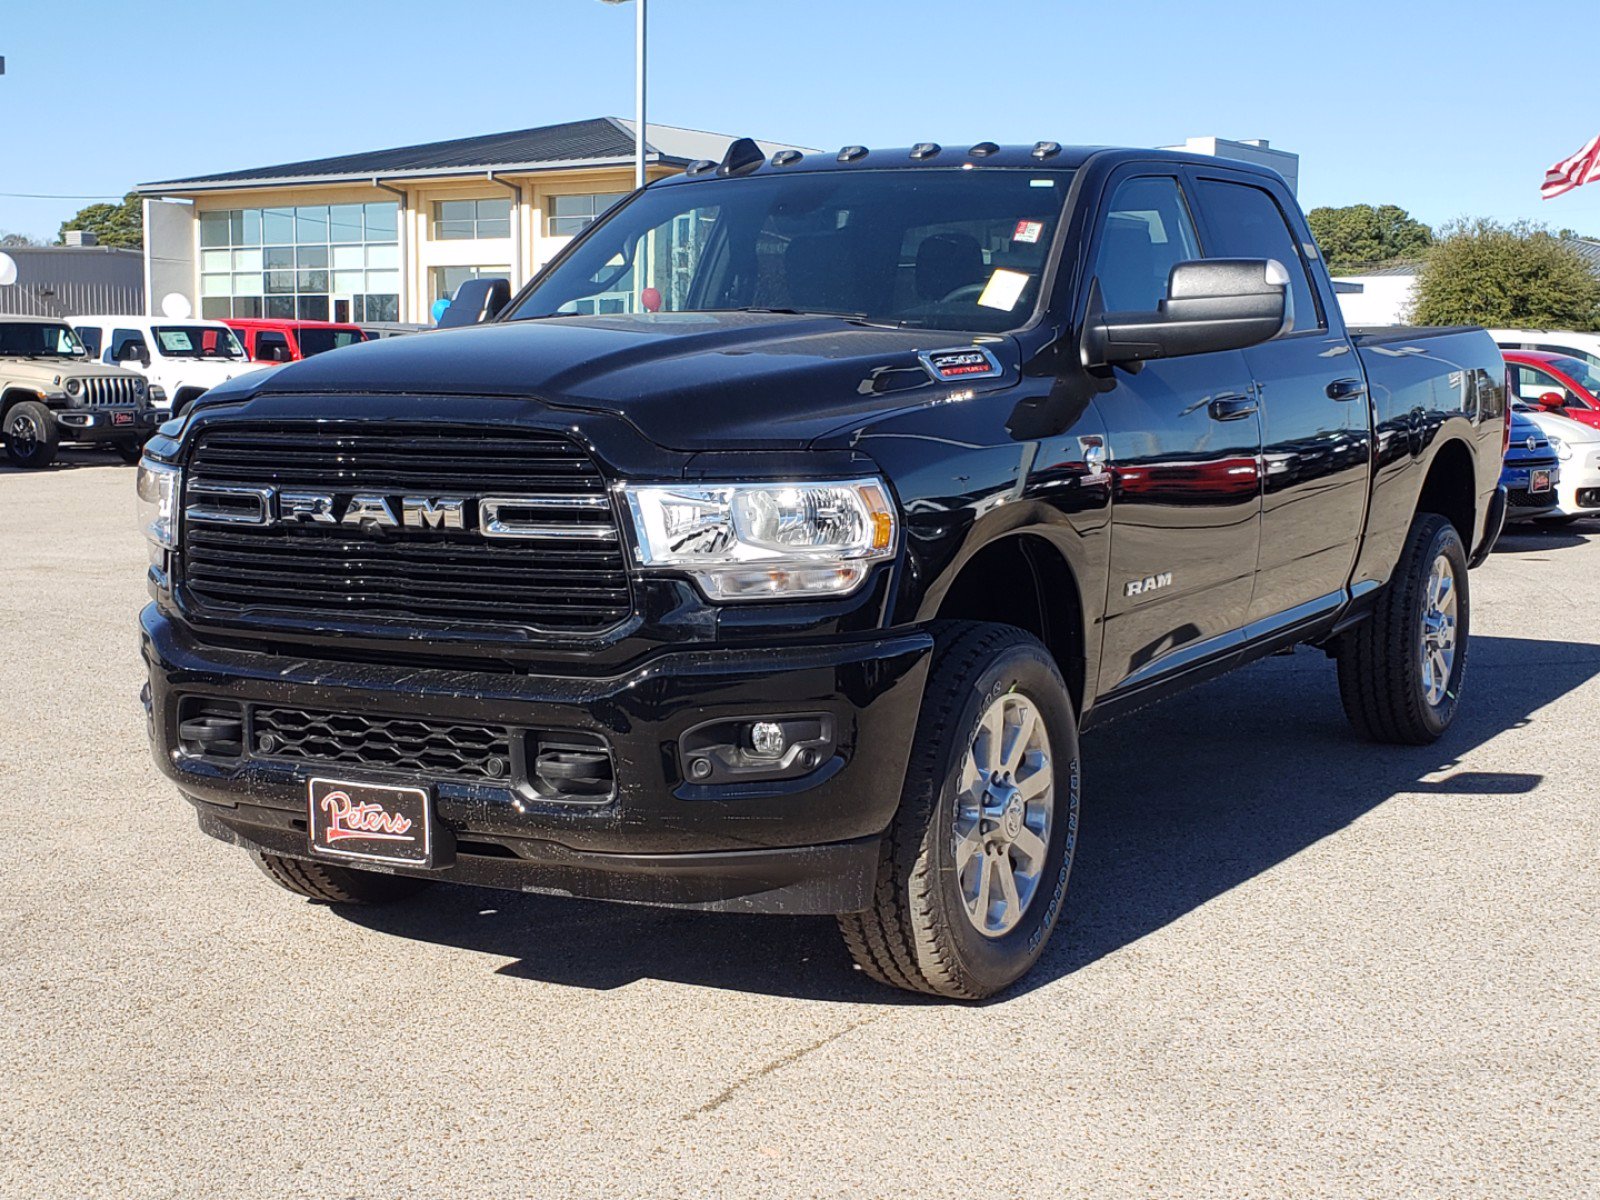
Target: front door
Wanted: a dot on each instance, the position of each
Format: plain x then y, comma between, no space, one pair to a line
1316,431
1184,450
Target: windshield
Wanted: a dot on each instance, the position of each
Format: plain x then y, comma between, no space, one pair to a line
315,341
33,339
1579,372
197,341
935,249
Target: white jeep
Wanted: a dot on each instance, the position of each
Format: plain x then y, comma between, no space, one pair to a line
184,357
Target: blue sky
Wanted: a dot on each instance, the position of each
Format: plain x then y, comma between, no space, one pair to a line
1445,108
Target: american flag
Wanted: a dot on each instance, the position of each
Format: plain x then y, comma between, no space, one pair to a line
1583,167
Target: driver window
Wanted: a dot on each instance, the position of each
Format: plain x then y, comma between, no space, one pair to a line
1147,231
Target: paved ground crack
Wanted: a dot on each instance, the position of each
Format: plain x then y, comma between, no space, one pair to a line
776,1064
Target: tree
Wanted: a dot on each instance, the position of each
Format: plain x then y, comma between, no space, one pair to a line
1519,276
1359,235
17,239
113,224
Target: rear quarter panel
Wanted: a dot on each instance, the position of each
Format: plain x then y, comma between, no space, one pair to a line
1428,388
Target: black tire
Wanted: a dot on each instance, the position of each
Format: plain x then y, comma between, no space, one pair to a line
129,452
334,884
1381,678
31,435
916,935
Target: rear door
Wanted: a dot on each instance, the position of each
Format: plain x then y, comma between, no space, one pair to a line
1316,427
1183,448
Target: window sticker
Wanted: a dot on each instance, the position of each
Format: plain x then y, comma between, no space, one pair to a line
176,341
1027,231
1004,289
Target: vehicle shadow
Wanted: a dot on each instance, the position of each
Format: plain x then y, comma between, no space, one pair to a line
1253,769
1530,539
71,458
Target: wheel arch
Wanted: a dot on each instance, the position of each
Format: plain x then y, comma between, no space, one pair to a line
1022,578
1450,488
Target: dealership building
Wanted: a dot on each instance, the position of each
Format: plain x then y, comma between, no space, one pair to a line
380,236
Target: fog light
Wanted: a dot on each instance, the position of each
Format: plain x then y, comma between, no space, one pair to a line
766,737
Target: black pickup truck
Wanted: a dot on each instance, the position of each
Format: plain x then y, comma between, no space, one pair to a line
770,550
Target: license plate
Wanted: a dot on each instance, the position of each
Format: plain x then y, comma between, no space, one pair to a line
370,821
1539,482
122,418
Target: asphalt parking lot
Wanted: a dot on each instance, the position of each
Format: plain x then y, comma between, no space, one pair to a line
1292,964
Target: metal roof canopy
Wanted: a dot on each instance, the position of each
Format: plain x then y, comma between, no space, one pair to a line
597,142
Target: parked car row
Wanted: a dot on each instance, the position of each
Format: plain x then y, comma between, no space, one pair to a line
114,378
1553,455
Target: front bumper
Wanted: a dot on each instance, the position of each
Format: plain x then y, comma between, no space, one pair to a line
105,424
807,844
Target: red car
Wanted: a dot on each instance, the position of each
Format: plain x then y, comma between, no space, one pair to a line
1558,383
290,341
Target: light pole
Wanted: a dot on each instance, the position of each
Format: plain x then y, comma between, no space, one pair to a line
638,87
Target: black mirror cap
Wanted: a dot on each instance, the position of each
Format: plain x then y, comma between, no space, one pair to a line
1212,304
476,301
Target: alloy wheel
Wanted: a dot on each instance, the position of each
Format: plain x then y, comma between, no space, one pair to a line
1004,806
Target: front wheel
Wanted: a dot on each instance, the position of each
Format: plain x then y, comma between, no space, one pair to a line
975,865
1400,670
31,435
129,451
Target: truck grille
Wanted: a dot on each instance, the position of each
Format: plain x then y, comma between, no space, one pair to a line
426,747
569,579
112,392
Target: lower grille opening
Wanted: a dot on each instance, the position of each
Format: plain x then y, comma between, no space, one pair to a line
414,745
1522,498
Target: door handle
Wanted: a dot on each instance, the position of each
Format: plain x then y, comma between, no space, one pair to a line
1347,389
1231,408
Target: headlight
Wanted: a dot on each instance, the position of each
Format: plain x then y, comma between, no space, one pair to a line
1563,451
157,487
74,386
765,541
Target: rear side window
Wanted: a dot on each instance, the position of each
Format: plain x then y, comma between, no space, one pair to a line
1246,222
1147,231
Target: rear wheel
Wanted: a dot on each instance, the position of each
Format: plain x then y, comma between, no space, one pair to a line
334,884
975,864
31,435
1400,670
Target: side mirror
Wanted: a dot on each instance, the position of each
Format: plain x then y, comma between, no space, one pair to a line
476,301
1212,304
1552,400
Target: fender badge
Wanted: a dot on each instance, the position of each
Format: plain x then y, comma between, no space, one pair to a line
963,362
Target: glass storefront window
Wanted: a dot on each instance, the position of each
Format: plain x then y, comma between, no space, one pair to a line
293,262
445,280
573,214
462,220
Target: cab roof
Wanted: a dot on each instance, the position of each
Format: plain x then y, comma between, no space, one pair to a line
744,158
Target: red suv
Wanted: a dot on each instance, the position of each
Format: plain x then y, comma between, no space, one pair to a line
290,341
1558,383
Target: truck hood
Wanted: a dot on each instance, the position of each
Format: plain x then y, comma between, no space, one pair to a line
687,381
